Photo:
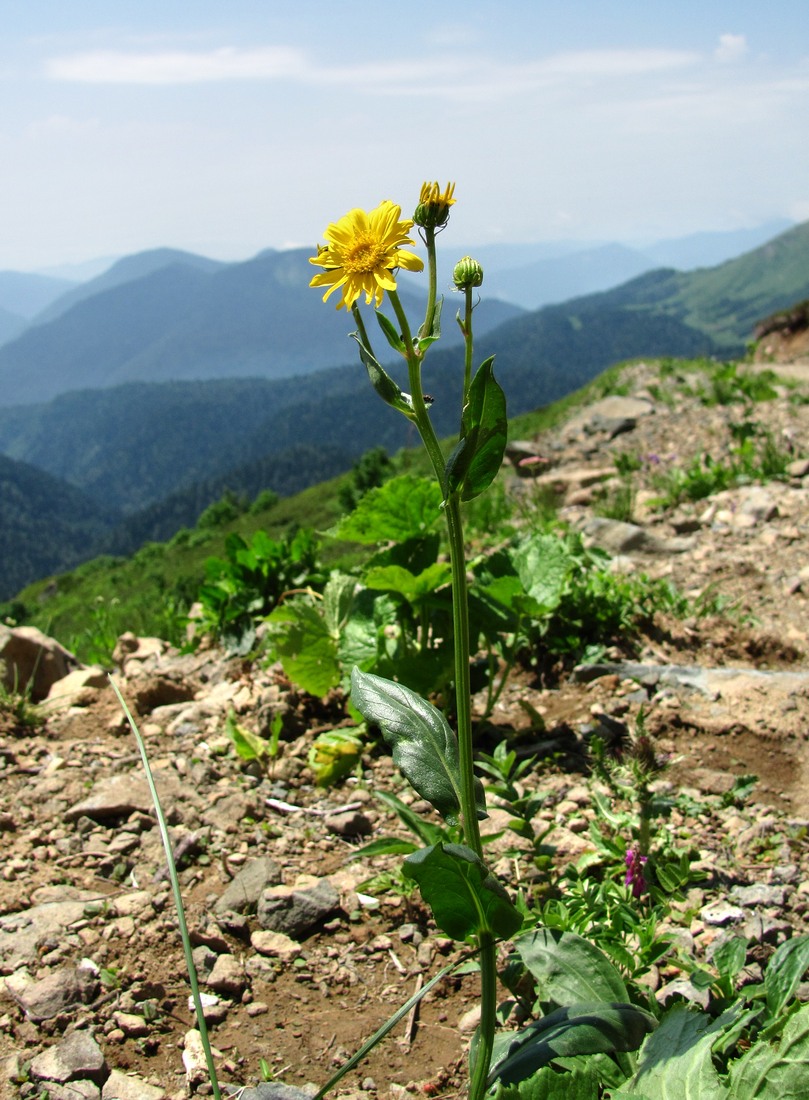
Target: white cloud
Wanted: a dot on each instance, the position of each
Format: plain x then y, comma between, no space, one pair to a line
451,74
177,67
732,47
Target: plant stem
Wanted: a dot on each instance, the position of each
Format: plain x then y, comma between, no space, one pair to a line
466,327
463,690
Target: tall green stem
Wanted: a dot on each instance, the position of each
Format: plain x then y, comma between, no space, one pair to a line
460,620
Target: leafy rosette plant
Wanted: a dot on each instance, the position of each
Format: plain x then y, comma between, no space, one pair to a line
362,256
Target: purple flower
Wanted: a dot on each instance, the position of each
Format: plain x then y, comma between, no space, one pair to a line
634,870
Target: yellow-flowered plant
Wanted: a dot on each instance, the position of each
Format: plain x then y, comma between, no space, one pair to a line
363,253
468,902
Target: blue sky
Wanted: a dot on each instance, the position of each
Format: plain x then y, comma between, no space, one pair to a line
225,128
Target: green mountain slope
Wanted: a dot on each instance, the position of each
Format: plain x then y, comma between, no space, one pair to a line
45,524
725,301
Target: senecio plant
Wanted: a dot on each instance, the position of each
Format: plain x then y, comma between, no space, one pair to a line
363,253
362,256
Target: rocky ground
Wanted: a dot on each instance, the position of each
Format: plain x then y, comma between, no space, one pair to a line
299,962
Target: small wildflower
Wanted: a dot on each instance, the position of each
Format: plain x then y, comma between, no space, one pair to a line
432,211
364,249
634,873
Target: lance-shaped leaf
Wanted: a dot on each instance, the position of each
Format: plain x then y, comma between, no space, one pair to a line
391,335
475,461
424,747
390,392
577,1029
464,895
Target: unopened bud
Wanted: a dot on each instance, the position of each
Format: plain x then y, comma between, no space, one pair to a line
467,273
432,211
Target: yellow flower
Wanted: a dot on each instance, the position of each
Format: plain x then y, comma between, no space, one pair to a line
432,211
363,251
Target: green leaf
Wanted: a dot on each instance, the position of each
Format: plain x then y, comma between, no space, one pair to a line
580,1083
570,1031
338,596
302,642
426,831
784,972
424,747
766,1072
390,333
390,392
248,745
478,456
464,895
675,1061
569,969
404,507
334,754
729,957
543,564
395,578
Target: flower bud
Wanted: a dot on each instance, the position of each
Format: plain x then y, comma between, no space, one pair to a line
467,273
432,211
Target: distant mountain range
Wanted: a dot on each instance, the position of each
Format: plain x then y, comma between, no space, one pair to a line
149,455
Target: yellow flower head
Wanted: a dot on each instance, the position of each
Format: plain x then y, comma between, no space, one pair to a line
363,251
432,211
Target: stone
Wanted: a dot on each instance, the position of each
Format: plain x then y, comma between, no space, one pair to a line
31,661
243,892
121,795
78,1055
617,537
59,991
720,913
22,933
758,894
348,823
612,415
122,1086
78,689
275,944
297,910
276,1090
131,1024
227,976
74,1090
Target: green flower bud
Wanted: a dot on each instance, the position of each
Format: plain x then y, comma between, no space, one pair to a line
467,273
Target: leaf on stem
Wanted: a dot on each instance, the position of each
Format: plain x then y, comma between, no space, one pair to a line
390,333
464,895
390,392
476,460
590,1028
424,747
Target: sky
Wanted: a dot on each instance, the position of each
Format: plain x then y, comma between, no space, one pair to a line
226,128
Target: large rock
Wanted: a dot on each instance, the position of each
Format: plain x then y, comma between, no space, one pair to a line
32,662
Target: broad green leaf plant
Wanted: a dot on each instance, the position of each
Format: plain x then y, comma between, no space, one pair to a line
363,254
